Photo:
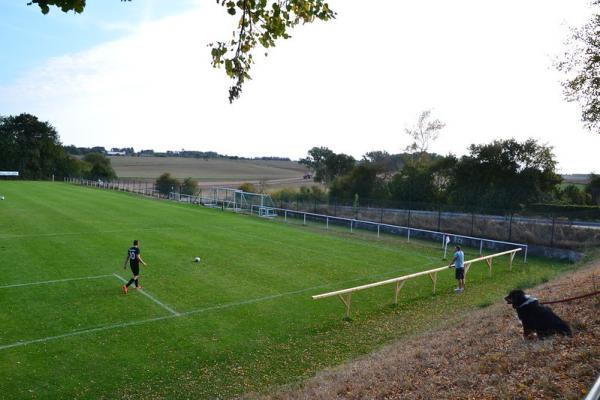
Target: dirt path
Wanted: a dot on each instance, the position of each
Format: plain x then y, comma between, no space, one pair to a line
482,357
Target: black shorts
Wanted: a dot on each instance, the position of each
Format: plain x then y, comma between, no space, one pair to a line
135,269
459,273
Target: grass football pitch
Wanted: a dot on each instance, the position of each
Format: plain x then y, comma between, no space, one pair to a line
240,321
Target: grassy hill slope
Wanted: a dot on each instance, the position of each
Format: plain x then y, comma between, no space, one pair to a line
480,356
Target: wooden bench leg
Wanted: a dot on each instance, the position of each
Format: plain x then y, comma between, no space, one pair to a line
347,300
433,277
399,285
510,260
467,267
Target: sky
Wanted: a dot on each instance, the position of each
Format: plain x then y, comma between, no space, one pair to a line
138,74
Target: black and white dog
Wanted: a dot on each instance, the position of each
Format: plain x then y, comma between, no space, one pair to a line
536,317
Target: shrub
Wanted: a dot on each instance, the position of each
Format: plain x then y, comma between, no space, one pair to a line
190,186
166,183
247,187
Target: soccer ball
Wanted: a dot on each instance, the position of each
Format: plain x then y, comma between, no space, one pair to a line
197,259
1,197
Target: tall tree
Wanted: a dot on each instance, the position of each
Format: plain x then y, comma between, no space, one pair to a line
33,148
581,64
327,165
315,161
504,174
259,22
422,134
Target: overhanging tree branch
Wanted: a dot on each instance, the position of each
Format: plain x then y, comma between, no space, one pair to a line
272,19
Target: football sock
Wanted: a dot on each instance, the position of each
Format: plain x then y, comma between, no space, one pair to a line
130,282
137,283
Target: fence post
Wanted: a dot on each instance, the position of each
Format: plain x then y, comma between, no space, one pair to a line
350,226
510,226
408,224
439,220
304,218
408,235
378,230
327,222
481,247
472,222
381,216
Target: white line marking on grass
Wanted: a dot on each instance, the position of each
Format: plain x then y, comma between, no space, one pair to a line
54,281
144,321
84,331
148,295
9,236
183,314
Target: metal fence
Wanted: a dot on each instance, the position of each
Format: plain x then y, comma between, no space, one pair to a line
351,224
552,230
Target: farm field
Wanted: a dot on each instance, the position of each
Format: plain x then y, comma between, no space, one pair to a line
241,321
213,172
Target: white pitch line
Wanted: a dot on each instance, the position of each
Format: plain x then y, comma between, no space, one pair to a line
144,321
54,281
183,314
9,236
148,295
84,331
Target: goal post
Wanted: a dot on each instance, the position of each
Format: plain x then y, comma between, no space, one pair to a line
240,201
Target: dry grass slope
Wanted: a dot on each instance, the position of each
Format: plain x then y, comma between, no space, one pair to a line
271,175
482,357
209,169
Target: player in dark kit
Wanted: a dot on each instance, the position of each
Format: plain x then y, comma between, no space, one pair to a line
133,255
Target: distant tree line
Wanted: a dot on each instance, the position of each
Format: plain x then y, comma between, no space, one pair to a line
33,148
129,151
504,174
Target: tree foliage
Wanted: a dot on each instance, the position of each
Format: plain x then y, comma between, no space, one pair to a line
327,165
425,131
314,193
98,167
259,23
362,181
190,186
504,174
33,148
64,5
571,194
247,187
166,184
413,184
581,64
385,164
593,188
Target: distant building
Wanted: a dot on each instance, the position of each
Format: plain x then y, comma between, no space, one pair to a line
116,153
